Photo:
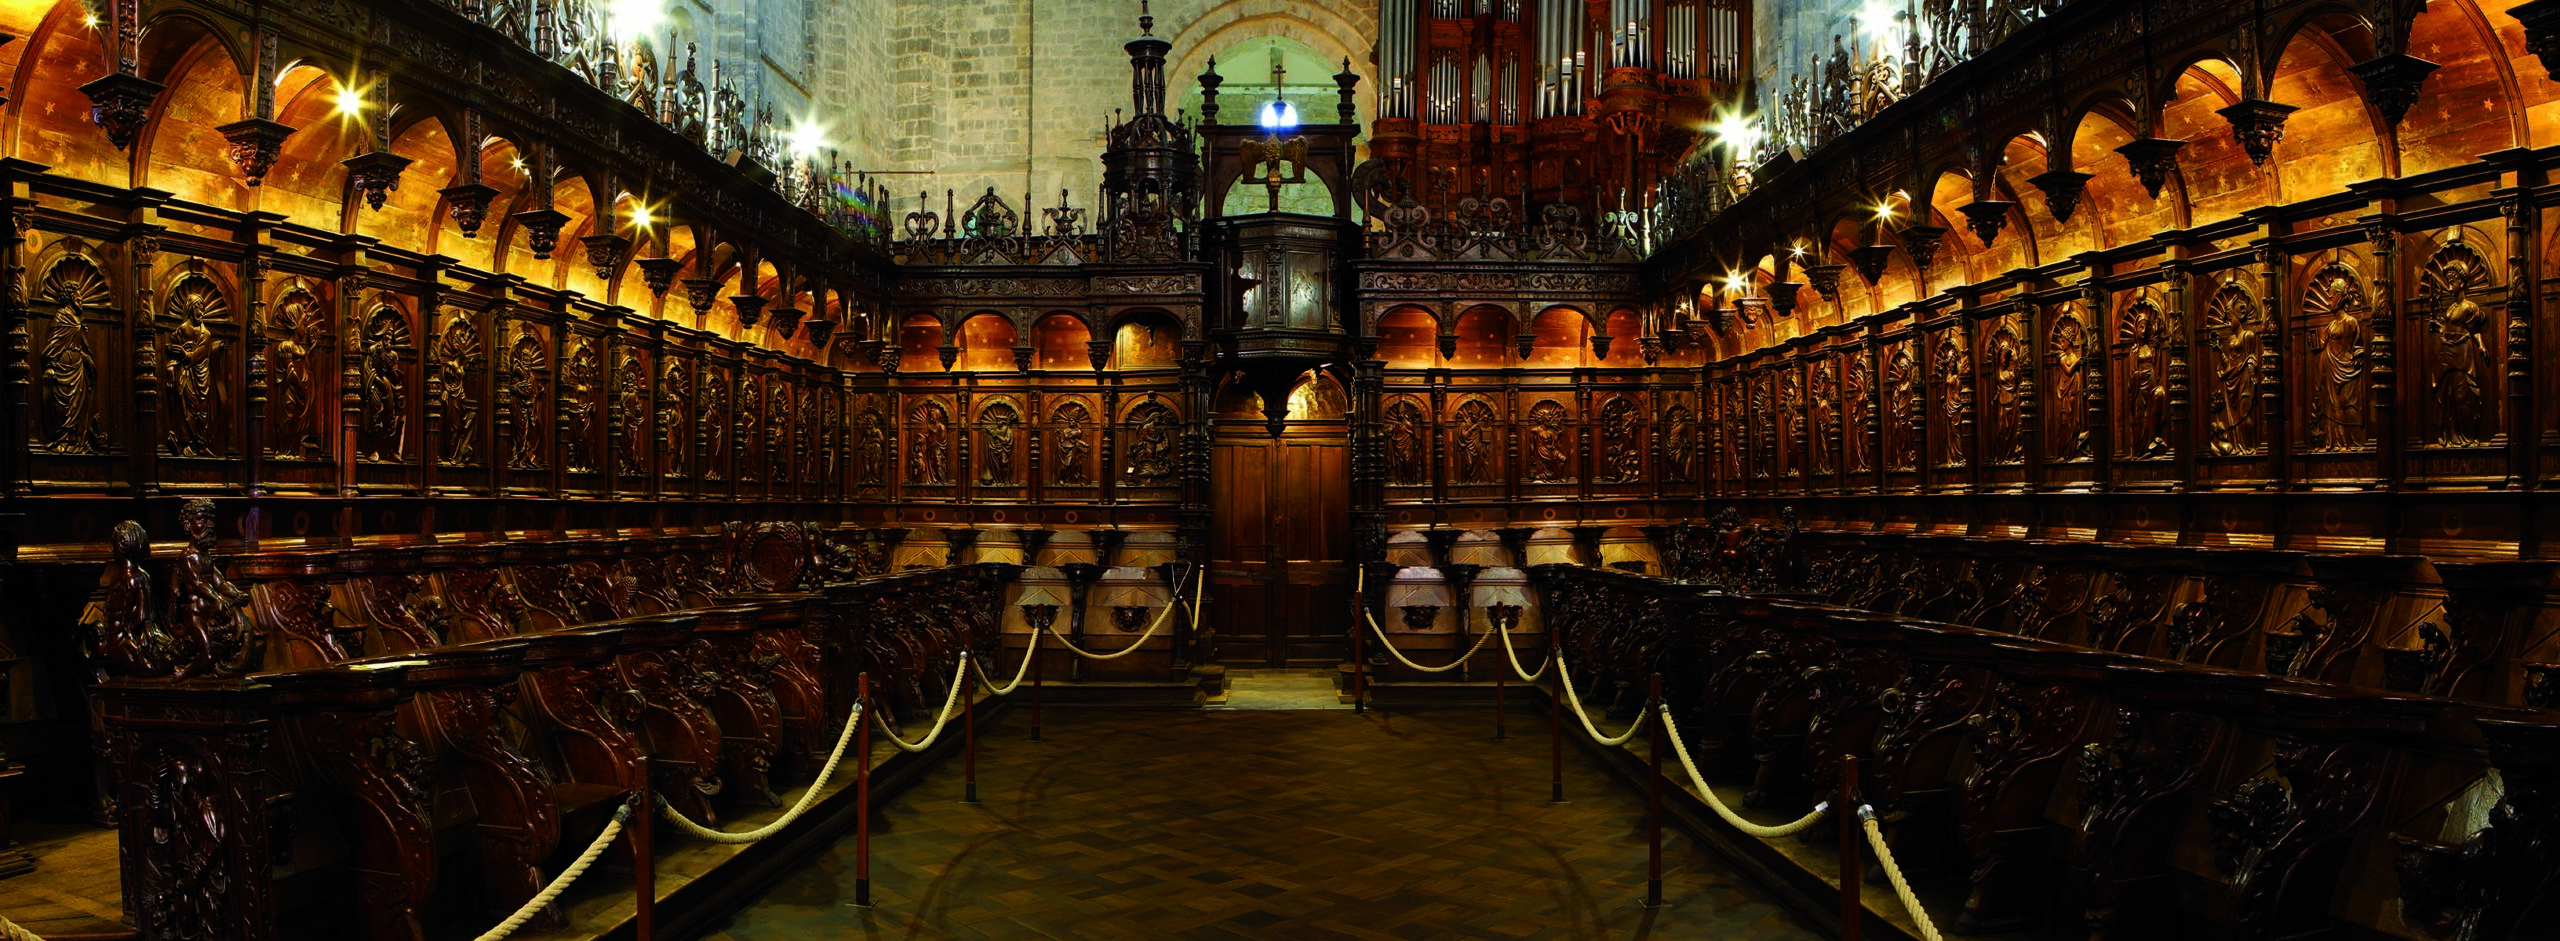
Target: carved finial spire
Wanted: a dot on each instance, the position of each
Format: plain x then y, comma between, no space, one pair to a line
1146,20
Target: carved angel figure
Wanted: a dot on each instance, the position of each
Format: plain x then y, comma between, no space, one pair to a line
121,626
206,631
206,612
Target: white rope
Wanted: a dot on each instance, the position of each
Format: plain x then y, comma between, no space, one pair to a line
541,900
1124,651
1019,671
1526,676
1399,655
959,678
668,811
1671,727
1564,678
10,931
1893,871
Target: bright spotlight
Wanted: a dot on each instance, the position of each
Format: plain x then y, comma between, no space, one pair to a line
1737,132
635,19
1734,282
1879,20
642,218
1279,115
806,140
350,100
1884,210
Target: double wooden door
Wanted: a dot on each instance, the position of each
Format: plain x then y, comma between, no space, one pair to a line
1280,570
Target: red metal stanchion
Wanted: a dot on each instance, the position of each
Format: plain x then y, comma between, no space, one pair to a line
1555,737
1852,910
1033,652
1359,670
1653,803
1500,734
968,737
862,800
644,874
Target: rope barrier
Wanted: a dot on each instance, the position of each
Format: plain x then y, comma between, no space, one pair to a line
668,811
1564,678
959,677
541,900
1019,671
1133,645
1400,657
1680,746
1514,654
1893,871
9,931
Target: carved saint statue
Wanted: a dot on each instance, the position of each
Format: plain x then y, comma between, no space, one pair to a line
190,360
1474,443
1955,399
385,388
996,426
1853,411
1074,439
71,385
1622,447
208,615
2146,381
1405,444
713,418
299,324
2341,359
2465,414
1549,451
2070,408
525,361
929,462
2008,393
675,384
1902,408
1151,446
1825,412
871,450
1679,445
457,357
2231,332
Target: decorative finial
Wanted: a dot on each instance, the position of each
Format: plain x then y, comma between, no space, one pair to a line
1146,20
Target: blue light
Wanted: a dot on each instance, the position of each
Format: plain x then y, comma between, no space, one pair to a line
1279,116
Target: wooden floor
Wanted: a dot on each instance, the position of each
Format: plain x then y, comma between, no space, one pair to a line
1283,825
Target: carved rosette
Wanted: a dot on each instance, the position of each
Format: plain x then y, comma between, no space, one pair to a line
375,174
254,145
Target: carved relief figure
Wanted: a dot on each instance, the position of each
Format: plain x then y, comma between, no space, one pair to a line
1901,408
2465,413
385,385
121,629
208,616
2070,409
929,460
996,428
457,357
1074,440
631,386
1790,418
70,367
713,419
298,324
2232,328
2143,334
1548,445
1853,411
578,405
1474,443
2339,358
1735,450
1679,445
525,388
1621,442
871,451
191,367
2007,361
1954,366
1405,444
1764,422
674,386
1826,412
1152,437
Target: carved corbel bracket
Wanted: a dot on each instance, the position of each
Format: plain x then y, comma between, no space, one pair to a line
2392,82
750,309
254,145
375,174
701,293
659,273
120,104
2151,159
2258,124
1870,261
2062,189
469,206
542,229
604,253
1825,280
1922,242
1987,216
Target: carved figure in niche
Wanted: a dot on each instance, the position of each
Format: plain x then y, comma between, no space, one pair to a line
2340,356
871,450
1474,443
1826,413
1764,424
2008,377
525,362
631,384
207,613
997,425
70,367
385,387
299,323
578,406
1955,387
1790,418
1074,439
674,383
2465,414
2070,411
1549,459
929,463
457,356
2146,382
1679,445
1853,412
1902,408
1151,443
1405,450
121,629
1622,442
191,369
714,422
777,430
2231,338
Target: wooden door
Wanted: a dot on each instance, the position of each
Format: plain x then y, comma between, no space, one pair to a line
1281,544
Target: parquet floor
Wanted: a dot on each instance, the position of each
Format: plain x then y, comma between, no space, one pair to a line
1280,825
